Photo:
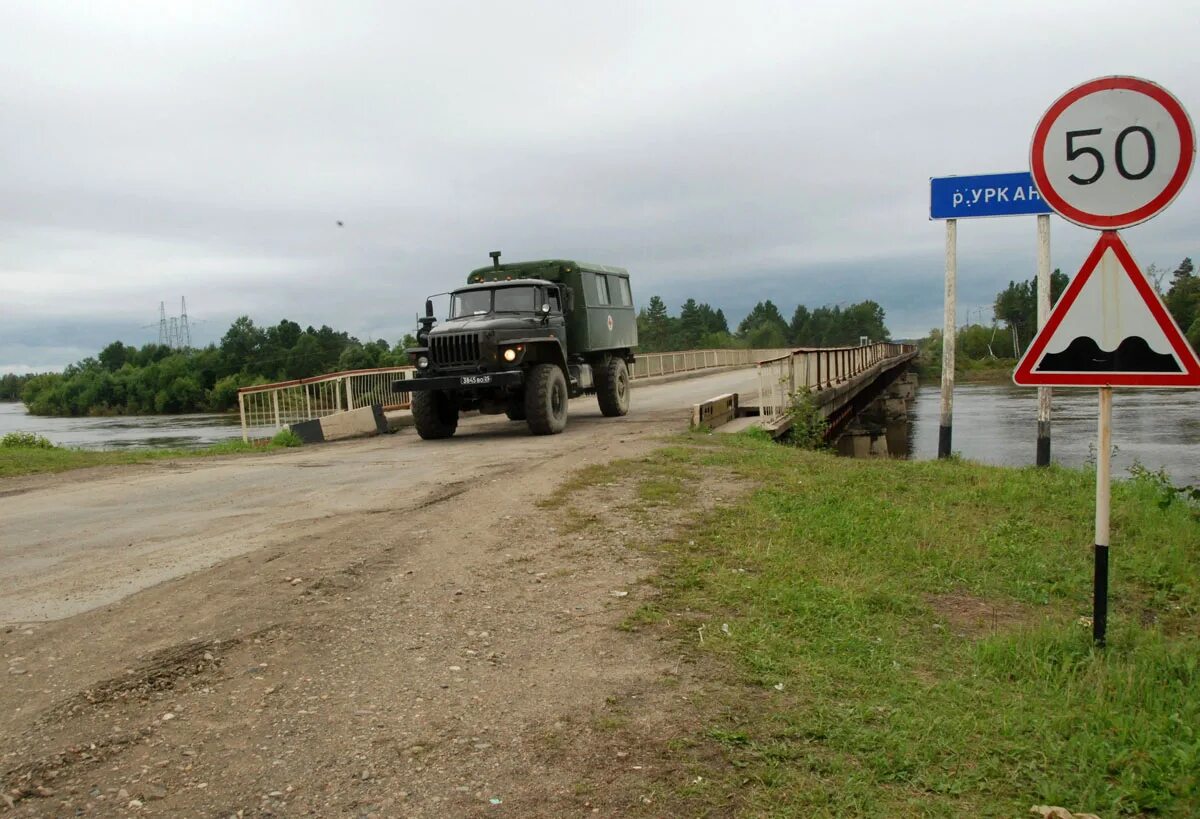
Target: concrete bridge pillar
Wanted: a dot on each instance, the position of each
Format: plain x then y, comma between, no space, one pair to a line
881,430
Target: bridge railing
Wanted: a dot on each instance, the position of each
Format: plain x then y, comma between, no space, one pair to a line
650,365
808,369
267,408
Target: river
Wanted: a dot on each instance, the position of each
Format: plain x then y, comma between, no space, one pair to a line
997,424
123,431
993,423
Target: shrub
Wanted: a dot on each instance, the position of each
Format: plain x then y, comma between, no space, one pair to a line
25,440
285,437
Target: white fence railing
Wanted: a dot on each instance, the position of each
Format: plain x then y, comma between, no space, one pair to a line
650,365
812,370
267,408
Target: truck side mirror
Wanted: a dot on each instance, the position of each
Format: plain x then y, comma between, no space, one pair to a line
429,308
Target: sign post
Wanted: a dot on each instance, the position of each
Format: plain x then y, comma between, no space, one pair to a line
1109,154
1043,313
961,197
949,337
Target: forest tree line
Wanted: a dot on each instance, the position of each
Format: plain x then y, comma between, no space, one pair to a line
128,380
1016,307
700,327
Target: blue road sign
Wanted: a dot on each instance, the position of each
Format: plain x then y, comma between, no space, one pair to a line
993,194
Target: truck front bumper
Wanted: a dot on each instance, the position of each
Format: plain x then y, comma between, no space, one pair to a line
504,378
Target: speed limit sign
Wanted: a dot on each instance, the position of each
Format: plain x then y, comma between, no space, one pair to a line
1112,152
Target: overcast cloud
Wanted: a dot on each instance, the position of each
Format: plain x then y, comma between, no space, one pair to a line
729,152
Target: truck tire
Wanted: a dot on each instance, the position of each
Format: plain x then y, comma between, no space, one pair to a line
434,414
612,388
516,408
546,400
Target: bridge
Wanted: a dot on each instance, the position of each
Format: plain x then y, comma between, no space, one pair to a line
840,382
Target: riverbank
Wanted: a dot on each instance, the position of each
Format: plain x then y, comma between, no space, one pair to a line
899,638
24,454
990,371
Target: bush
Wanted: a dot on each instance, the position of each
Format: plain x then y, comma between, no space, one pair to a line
285,437
25,440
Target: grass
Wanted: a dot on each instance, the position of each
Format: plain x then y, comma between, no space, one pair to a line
22,454
858,683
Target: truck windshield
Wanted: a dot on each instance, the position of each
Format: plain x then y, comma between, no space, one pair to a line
507,300
471,303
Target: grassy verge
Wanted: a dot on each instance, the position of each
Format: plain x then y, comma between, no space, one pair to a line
30,455
910,639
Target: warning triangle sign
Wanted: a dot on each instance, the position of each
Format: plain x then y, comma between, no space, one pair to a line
1109,329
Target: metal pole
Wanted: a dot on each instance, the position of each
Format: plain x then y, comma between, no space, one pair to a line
948,338
1043,313
1103,489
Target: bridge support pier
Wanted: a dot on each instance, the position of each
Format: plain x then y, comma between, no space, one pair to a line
881,430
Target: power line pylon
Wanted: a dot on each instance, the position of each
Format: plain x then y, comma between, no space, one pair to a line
185,332
164,339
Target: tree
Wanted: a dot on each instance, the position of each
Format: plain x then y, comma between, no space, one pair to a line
242,346
1183,298
1016,305
114,356
798,331
691,326
765,313
654,326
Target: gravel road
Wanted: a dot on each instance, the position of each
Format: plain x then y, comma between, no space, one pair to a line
386,627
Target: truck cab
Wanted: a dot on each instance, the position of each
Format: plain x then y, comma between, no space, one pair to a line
523,339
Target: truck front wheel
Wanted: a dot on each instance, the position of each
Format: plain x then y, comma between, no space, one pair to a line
612,388
516,407
434,414
546,400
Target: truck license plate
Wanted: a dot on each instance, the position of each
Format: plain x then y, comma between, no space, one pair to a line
474,380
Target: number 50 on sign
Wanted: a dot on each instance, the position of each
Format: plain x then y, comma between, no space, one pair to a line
1112,152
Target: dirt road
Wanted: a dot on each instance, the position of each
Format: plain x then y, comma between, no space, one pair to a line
387,627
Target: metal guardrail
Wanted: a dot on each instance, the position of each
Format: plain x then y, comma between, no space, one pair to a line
267,408
815,369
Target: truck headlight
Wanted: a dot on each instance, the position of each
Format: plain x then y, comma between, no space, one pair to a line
510,354
422,362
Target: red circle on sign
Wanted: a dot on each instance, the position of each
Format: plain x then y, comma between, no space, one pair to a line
610,323
1187,150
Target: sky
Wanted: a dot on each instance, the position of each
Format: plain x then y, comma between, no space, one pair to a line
726,152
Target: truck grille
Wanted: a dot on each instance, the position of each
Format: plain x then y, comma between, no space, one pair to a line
455,349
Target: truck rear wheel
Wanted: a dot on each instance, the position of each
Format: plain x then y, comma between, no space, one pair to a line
546,400
434,414
612,388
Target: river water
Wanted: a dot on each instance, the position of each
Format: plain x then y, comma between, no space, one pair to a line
997,424
993,423
124,431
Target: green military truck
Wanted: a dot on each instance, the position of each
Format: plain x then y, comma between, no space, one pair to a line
523,339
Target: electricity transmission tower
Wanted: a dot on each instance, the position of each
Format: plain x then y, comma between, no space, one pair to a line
164,339
185,332
174,332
